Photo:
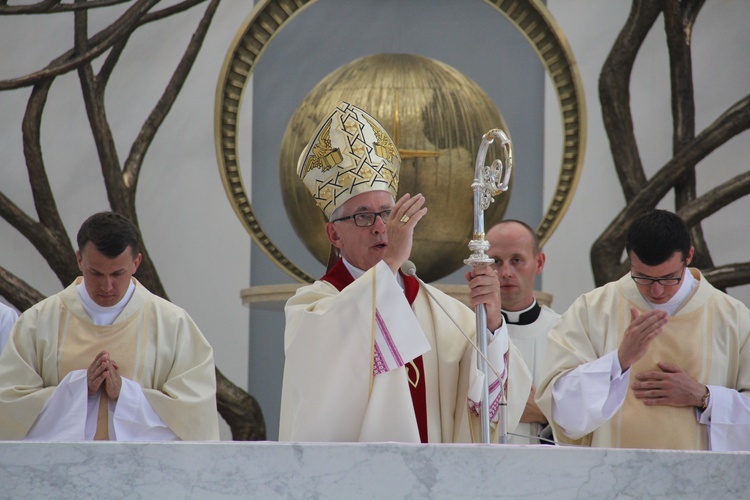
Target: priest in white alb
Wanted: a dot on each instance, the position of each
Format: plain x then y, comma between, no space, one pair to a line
370,356
105,359
658,359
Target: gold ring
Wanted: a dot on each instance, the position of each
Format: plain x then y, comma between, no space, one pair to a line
405,219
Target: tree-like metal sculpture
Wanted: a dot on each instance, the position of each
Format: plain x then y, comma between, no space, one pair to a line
688,149
47,234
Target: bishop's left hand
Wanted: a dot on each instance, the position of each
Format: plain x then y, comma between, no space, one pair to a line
484,288
668,386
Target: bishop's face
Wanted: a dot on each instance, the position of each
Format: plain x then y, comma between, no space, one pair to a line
363,247
106,279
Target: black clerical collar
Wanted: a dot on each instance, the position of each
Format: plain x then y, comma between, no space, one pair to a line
525,317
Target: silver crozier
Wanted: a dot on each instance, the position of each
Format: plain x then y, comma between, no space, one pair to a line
489,181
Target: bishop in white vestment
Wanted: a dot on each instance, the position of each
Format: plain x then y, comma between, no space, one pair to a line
370,354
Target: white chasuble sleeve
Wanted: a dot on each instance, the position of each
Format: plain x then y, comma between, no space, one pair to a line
453,325
497,352
589,395
134,419
63,417
728,416
70,415
331,342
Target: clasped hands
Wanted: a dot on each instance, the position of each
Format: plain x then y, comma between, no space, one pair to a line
104,373
667,386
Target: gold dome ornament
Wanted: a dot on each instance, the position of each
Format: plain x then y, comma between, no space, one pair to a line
269,17
436,116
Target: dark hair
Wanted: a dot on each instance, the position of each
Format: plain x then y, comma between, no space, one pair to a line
110,233
656,236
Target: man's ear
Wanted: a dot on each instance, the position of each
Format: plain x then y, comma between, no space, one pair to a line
333,235
689,257
137,262
541,258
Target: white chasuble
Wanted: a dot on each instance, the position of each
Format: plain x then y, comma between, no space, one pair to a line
329,391
159,350
707,337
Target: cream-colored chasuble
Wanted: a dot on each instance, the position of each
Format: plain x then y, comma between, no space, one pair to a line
80,343
326,391
707,337
153,341
634,426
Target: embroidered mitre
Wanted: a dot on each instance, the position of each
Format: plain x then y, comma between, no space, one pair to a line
350,153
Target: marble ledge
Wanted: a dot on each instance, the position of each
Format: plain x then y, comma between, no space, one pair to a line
383,470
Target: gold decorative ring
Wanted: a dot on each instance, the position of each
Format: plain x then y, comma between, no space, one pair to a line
404,219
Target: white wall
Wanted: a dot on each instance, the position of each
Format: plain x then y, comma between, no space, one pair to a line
721,72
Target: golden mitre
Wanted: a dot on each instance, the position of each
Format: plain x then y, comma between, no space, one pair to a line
350,153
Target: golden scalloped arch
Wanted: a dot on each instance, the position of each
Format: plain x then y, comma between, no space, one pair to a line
530,17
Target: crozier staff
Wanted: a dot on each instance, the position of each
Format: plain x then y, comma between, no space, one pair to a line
369,355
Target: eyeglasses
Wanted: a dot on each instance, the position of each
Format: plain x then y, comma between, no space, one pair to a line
366,219
643,280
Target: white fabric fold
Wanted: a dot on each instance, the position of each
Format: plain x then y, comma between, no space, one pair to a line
397,342
589,395
63,417
70,415
135,420
728,415
497,349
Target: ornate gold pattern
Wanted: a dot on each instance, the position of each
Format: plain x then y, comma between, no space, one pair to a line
384,147
530,16
345,138
324,156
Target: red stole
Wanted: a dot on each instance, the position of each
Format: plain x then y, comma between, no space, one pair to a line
340,277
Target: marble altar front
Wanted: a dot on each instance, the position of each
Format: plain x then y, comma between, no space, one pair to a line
387,470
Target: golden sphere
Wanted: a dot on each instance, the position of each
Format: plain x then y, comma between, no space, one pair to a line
436,116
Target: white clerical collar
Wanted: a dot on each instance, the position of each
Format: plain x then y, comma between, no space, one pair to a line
357,273
100,315
514,317
687,286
